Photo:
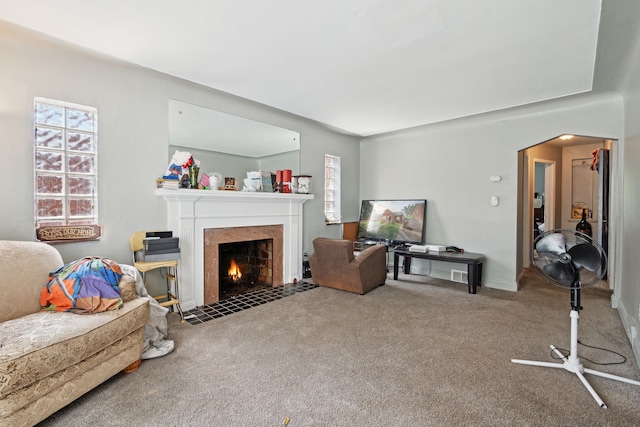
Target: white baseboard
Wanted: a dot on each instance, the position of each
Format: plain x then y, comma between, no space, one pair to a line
446,275
631,329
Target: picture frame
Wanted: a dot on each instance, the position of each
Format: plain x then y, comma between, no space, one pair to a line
267,182
576,212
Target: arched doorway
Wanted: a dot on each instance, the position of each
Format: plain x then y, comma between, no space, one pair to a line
572,180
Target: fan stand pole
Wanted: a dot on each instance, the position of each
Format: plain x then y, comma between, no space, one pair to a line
572,363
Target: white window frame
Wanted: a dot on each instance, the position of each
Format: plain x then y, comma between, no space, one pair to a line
65,219
332,196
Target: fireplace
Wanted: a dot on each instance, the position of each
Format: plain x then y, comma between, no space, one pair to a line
194,214
257,250
244,267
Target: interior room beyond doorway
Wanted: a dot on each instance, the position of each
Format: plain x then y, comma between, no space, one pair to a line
560,180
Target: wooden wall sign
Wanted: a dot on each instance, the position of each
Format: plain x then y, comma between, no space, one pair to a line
68,233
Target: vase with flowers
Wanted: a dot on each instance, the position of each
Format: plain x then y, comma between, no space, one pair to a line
194,171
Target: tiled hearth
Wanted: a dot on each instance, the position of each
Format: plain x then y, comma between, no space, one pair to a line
245,301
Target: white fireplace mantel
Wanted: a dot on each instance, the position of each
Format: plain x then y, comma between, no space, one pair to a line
190,212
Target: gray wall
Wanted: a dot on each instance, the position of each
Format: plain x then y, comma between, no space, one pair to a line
315,145
132,105
628,294
288,160
450,163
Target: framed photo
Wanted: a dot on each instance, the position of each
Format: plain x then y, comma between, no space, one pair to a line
576,212
267,182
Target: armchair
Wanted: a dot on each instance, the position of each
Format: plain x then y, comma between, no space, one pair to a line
334,265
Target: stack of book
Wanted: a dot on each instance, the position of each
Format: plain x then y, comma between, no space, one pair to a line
159,246
172,184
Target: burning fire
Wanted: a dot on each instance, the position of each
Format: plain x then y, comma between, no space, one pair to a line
234,271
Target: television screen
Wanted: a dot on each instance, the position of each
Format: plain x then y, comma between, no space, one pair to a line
399,221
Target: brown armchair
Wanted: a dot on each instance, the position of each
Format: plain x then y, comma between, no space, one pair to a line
333,264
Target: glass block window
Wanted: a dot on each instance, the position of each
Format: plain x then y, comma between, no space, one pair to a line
332,212
65,164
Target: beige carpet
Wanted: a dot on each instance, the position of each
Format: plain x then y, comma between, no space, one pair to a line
415,352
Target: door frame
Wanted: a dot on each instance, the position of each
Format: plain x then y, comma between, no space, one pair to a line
616,202
550,171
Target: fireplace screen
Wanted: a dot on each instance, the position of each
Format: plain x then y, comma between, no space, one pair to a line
245,266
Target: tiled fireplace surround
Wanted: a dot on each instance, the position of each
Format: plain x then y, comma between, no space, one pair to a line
194,214
213,237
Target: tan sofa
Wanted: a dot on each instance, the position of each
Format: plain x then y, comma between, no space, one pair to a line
334,264
48,359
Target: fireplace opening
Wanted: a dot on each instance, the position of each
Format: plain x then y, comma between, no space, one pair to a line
244,267
214,264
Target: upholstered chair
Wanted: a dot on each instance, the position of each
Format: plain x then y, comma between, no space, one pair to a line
333,264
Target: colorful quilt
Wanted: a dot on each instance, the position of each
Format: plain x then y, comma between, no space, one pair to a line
88,285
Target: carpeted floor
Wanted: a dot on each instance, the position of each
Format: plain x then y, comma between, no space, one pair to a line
415,352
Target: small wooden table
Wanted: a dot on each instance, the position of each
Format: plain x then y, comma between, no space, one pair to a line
473,261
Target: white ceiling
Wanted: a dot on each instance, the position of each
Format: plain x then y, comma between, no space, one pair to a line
363,66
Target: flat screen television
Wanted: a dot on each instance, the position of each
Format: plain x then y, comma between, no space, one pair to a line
395,221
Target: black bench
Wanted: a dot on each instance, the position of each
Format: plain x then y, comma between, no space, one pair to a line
473,261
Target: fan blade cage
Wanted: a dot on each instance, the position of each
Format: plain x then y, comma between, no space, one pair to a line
568,259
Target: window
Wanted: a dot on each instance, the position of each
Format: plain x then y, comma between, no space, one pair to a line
65,169
332,213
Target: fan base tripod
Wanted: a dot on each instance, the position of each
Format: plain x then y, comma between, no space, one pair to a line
572,363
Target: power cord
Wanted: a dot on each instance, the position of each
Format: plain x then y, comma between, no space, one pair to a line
562,350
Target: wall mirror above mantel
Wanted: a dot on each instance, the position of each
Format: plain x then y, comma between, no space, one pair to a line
229,144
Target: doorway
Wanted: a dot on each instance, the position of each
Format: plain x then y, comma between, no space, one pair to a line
544,195
548,191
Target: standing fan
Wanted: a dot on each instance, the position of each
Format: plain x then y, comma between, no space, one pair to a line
572,260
